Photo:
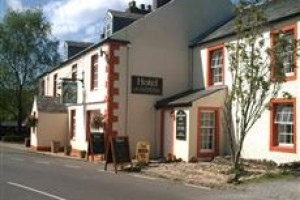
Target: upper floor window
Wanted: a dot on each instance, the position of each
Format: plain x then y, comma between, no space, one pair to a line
94,72
286,50
74,72
283,130
215,66
55,85
108,27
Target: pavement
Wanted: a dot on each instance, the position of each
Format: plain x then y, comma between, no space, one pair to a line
33,176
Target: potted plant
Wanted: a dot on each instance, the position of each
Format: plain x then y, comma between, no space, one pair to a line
82,154
97,121
32,121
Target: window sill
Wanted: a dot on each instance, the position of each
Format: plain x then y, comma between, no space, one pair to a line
284,149
291,77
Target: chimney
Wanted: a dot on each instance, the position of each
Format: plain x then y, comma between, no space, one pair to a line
132,4
149,8
143,7
159,3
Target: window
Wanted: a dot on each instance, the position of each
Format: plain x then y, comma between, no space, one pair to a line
215,66
55,85
208,132
287,50
94,72
74,72
208,129
73,124
283,125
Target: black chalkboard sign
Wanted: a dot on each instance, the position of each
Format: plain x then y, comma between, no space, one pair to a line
97,145
181,125
117,152
121,147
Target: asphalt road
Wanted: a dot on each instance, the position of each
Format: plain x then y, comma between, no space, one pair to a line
27,176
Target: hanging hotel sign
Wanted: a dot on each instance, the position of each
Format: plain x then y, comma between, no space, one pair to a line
181,125
69,91
146,85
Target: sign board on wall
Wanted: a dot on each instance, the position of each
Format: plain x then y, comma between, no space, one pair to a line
146,85
69,91
181,125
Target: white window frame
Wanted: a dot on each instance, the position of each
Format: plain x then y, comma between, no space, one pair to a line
210,131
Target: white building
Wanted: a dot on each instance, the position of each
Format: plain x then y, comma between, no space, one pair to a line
201,106
125,74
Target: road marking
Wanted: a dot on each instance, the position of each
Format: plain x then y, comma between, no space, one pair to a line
197,186
42,162
35,190
72,166
144,177
17,159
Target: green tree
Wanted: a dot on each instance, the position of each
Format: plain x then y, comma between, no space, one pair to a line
257,73
27,49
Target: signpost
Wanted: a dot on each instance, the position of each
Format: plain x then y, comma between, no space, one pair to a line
143,152
146,85
181,125
96,144
117,152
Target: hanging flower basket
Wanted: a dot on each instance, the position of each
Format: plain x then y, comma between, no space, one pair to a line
32,121
98,121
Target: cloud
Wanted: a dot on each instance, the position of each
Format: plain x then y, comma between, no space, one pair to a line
14,4
81,17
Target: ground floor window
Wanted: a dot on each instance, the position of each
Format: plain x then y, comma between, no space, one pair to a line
283,125
208,131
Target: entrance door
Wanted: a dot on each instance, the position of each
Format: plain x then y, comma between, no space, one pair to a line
208,132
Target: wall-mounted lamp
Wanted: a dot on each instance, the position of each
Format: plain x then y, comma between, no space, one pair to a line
103,53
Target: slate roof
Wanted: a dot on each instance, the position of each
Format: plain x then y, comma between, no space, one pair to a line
50,104
116,13
279,10
78,44
186,99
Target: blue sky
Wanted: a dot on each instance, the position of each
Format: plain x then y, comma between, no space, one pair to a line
79,20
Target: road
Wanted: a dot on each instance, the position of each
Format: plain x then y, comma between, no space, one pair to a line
28,176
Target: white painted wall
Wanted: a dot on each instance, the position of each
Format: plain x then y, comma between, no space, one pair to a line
181,147
257,142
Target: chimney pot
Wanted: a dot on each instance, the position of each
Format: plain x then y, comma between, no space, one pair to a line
143,7
132,4
149,8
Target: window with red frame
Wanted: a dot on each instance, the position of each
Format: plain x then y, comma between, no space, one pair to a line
74,72
283,125
94,72
73,124
215,66
55,85
287,51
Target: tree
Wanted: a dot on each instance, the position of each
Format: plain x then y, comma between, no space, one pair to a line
257,73
27,49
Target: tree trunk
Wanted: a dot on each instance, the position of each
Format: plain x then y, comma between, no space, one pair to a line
20,110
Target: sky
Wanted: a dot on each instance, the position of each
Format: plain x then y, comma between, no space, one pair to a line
79,20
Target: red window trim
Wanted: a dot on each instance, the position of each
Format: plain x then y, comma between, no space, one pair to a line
217,133
72,132
273,135
54,85
287,28
209,72
93,87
